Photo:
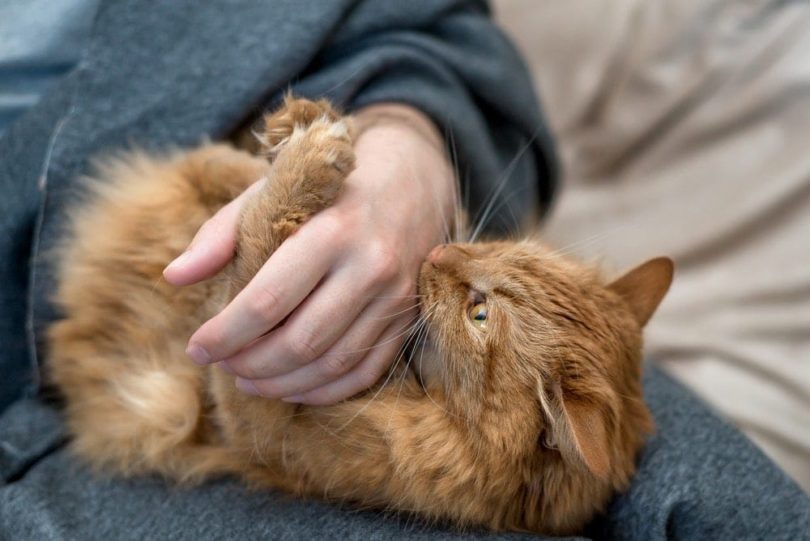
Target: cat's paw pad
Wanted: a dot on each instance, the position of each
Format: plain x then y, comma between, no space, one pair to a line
296,113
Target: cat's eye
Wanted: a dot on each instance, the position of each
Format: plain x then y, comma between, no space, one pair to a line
478,315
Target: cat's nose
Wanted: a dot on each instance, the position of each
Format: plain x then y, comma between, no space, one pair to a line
436,253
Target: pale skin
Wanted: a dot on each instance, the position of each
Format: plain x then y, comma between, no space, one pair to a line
346,281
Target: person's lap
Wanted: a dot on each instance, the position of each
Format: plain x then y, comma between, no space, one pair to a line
698,478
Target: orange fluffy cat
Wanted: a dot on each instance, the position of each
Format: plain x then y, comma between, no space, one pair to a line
521,410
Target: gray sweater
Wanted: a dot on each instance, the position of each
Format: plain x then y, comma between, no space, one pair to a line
162,74
157,74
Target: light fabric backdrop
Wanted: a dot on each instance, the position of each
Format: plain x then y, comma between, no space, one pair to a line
684,129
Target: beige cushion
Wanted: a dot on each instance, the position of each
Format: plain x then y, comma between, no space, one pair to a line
684,129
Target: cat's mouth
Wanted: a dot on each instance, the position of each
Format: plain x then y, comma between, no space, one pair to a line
425,359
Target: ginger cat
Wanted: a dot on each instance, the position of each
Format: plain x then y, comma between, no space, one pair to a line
521,408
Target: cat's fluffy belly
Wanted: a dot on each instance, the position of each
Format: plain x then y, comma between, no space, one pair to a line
528,415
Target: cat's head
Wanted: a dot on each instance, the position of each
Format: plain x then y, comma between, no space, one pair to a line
537,350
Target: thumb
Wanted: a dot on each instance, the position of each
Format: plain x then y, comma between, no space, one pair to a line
212,247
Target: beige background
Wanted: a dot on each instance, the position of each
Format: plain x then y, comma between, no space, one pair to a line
684,129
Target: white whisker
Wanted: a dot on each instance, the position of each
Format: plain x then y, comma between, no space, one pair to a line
395,314
408,327
391,371
507,201
499,186
414,296
427,393
585,242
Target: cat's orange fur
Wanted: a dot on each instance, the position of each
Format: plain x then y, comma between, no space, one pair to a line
529,424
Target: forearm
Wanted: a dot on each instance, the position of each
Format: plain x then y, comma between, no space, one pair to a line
456,67
417,143
398,115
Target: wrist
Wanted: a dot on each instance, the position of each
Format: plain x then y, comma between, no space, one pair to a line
405,142
398,116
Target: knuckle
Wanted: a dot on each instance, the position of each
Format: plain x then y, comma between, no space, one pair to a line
405,290
384,264
303,350
266,387
369,376
407,312
336,365
244,369
264,304
332,225
212,337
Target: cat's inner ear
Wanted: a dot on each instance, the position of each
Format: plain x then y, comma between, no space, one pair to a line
577,429
644,287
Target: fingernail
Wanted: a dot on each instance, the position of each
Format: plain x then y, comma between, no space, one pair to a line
198,354
225,367
247,387
294,399
179,261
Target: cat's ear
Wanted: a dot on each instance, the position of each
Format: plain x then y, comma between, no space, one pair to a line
644,287
577,429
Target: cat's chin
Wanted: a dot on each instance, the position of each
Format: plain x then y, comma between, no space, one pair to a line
427,361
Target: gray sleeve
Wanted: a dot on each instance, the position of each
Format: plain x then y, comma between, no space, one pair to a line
158,75
451,61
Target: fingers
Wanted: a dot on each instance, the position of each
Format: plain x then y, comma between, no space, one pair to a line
380,231
363,337
213,245
374,363
363,376
288,277
313,329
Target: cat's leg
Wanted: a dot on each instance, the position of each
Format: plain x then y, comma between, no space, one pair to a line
219,173
146,415
314,154
296,112
135,403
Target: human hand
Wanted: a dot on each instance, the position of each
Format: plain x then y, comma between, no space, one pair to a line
345,282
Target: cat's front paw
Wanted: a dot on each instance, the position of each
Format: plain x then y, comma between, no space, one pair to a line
324,155
295,113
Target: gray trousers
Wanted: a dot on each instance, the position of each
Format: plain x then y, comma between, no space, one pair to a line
698,478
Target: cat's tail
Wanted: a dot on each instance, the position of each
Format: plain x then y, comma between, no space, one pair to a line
311,148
